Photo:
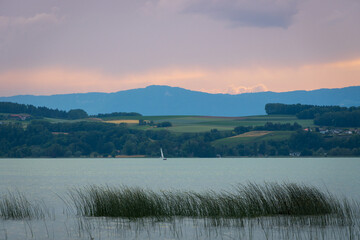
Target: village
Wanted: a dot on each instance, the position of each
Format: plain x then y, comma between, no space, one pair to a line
332,131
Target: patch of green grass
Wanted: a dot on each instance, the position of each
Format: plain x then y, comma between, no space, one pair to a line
283,119
191,124
221,123
276,135
273,135
189,120
251,200
197,128
121,118
59,120
153,118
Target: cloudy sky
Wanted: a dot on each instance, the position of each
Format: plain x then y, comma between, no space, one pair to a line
217,46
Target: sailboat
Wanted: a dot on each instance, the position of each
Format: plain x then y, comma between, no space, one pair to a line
162,154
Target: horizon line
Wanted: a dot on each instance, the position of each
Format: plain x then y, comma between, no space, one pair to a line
157,85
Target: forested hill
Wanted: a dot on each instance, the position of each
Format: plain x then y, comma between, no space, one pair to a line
323,115
165,100
32,111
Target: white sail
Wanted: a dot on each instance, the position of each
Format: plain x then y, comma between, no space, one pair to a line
162,154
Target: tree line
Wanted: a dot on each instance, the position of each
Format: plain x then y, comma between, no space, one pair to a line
38,112
93,139
323,115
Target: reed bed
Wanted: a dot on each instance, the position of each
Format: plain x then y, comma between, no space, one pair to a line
244,201
14,205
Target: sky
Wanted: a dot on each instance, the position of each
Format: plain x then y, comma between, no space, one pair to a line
216,46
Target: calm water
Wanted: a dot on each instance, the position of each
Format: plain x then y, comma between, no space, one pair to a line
39,176
46,178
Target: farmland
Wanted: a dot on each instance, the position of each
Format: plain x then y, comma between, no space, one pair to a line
127,121
202,124
193,124
252,137
178,136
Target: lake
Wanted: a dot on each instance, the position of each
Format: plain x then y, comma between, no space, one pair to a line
47,179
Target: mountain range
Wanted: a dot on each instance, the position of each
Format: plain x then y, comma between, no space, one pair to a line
165,100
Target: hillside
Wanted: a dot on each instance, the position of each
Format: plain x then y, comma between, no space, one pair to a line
165,100
188,136
29,131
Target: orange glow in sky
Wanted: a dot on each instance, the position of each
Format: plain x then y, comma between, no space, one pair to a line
229,80
227,46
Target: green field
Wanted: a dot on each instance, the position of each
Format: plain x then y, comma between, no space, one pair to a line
191,124
247,138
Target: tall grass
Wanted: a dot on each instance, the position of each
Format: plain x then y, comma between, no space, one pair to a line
245,201
14,205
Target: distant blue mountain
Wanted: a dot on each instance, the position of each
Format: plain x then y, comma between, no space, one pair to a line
165,100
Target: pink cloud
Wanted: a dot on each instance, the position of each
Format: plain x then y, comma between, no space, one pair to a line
229,80
242,89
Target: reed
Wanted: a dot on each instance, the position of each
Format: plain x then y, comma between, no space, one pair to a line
244,201
14,205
